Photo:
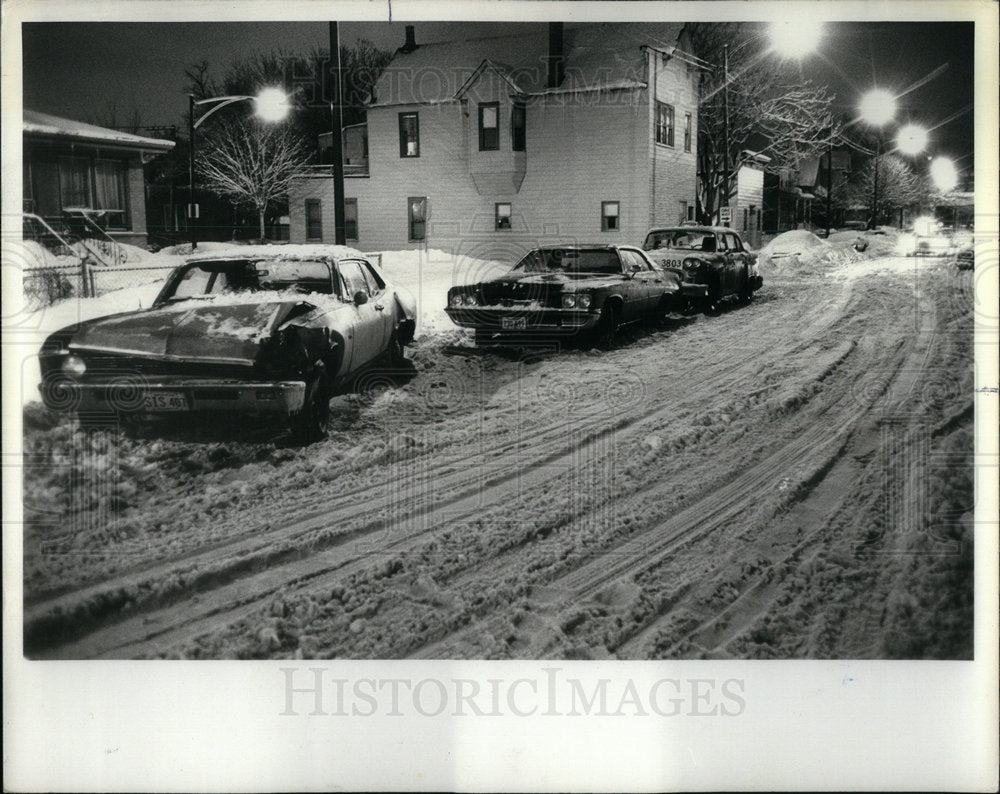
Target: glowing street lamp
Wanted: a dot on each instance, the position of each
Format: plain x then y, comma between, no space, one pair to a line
911,139
877,108
270,105
795,39
944,174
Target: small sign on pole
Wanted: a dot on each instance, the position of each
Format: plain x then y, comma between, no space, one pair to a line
193,210
725,214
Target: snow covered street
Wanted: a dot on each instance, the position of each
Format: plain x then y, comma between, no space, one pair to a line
767,483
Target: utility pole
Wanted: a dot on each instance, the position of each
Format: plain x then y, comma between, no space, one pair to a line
829,182
191,205
725,120
337,119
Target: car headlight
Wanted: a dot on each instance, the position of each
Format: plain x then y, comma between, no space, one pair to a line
569,301
690,264
583,301
455,300
74,365
470,300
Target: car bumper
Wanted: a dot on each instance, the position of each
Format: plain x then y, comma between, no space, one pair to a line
165,396
520,321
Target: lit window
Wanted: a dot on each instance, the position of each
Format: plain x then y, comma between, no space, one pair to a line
409,135
664,124
489,126
502,216
418,218
610,220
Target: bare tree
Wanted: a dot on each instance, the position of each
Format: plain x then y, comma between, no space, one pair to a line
115,118
251,163
899,187
772,111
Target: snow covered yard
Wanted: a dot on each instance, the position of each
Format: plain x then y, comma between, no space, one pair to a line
716,488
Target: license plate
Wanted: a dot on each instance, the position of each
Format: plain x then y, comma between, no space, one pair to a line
165,401
513,323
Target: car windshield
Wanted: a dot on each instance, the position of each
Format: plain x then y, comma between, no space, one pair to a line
226,277
688,239
577,260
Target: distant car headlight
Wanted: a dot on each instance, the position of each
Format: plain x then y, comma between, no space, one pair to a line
569,301
583,301
74,365
455,300
470,300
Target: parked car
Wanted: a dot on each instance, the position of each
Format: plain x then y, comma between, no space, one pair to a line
257,330
713,256
567,291
965,259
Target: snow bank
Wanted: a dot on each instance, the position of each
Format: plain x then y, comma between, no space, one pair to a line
801,251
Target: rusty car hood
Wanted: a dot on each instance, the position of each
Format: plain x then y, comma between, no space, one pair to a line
191,329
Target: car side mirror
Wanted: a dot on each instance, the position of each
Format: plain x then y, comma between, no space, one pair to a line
360,297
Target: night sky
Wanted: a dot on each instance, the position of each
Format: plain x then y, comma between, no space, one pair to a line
79,70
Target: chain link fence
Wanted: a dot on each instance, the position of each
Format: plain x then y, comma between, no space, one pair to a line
51,283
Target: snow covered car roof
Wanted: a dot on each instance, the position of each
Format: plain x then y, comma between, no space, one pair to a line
687,228
279,252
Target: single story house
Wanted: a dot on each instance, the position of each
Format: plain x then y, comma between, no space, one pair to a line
75,168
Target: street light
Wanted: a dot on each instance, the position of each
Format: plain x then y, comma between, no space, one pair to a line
795,39
789,40
271,105
911,139
877,108
944,174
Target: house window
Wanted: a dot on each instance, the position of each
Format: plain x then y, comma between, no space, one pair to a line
314,219
517,128
502,217
664,123
409,135
610,220
489,126
418,218
690,213
74,182
350,219
687,132
97,185
683,212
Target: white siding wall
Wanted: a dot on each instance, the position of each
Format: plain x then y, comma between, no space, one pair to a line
675,171
581,150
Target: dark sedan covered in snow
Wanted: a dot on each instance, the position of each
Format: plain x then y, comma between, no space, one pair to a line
714,256
566,291
255,330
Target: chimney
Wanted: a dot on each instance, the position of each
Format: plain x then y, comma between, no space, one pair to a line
411,40
556,59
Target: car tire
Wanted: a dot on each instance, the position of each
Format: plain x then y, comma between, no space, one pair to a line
714,297
396,352
312,422
746,291
606,332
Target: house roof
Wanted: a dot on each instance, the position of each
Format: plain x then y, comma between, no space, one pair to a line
44,124
597,56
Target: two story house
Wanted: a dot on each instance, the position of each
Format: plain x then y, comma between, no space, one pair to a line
490,147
